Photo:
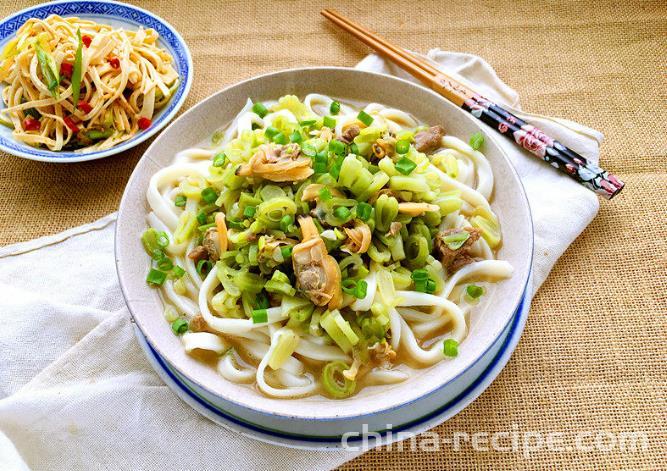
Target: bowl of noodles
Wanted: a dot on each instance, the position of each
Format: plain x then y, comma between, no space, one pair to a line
335,250
85,80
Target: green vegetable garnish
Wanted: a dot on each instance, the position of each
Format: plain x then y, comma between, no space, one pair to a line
477,140
451,348
77,71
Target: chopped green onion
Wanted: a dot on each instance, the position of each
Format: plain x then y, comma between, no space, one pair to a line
364,211
262,301
320,162
419,275
280,138
341,212
309,150
33,112
259,109
296,137
177,272
333,381
219,160
179,326
349,286
362,289
162,239
335,168
405,165
202,218
286,251
234,224
474,291
402,147
420,285
203,267
165,264
209,195
430,286
337,147
325,194
285,222
365,118
476,140
157,254
450,348
259,316
456,240
96,134
354,148
334,108
307,122
49,72
329,122
156,277
270,132
249,211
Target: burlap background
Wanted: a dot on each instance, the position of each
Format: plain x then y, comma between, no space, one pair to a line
592,357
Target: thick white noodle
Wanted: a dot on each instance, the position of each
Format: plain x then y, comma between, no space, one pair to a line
233,368
484,173
168,175
203,341
182,303
413,298
468,194
317,352
364,304
497,269
383,376
304,389
231,131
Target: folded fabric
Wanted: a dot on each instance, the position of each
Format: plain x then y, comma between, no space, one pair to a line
76,392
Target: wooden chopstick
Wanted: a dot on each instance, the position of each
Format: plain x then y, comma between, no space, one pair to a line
379,45
527,136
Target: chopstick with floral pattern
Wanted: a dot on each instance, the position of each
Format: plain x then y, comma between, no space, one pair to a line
522,133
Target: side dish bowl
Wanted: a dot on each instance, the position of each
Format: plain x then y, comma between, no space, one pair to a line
117,15
399,404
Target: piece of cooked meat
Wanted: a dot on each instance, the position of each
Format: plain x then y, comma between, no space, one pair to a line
317,272
452,260
429,140
277,164
211,243
349,134
198,253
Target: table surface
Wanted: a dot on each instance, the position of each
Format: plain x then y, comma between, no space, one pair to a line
592,358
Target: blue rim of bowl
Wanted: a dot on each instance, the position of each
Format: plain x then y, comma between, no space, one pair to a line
129,14
515,330
520,188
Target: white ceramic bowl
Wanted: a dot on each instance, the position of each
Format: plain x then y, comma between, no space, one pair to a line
316,418
118,15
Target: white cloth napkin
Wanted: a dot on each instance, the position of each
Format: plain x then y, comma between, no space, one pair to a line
76,392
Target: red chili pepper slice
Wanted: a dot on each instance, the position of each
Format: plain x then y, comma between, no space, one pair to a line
84,106
114,62
66,69
31,124
144,123
71,124
85,39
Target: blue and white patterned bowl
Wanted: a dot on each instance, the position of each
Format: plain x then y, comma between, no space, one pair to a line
117,15
431,394
418,416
